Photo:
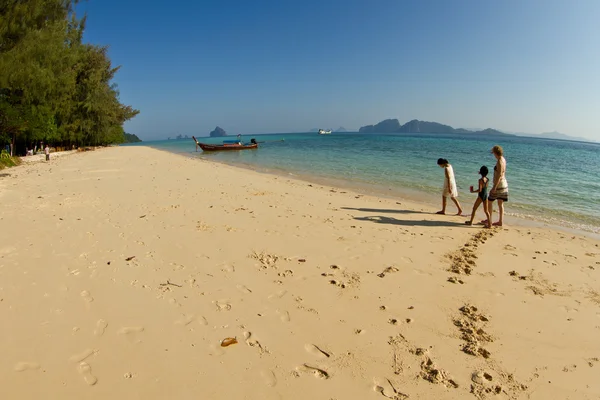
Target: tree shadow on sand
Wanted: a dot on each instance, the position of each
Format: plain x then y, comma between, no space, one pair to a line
393,221
383,210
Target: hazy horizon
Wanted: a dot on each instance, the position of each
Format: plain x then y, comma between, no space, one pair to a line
275,66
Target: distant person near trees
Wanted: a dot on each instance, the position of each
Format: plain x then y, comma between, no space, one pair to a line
47,151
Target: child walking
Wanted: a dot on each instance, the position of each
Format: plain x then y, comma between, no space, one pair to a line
482,196
450,189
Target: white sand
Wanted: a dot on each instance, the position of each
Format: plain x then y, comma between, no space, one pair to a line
331,295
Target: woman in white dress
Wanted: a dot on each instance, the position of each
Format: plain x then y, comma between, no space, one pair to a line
450,189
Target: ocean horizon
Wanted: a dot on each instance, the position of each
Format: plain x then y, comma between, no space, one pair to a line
550,180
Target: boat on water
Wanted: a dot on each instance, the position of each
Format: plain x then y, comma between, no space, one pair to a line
324,132
227,145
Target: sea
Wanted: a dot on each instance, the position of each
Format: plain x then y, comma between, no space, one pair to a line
554,182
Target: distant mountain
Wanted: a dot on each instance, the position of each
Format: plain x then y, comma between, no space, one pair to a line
385,126
314,130
218,132
131,138
416,126
554,135
490,131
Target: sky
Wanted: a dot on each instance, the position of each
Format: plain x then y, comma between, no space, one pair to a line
294,65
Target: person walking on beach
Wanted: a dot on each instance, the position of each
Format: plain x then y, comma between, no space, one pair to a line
450,189
482,196
47,151
499,185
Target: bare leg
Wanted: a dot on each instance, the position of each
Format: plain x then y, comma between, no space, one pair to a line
486,209
443,206
500,213
490,205
457,205
475,207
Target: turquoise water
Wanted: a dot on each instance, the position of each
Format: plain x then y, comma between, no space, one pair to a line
549,180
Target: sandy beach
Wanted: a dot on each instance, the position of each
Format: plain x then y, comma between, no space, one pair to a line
123,269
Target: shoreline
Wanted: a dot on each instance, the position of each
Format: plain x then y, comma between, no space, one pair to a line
413,196
129,271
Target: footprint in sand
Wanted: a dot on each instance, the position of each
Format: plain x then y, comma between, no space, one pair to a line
87,296
185,320
284,316
227,268
388,270
24,366
317,372
277,295
86,371
130,329
244,289
316,351
222,305
131,332
387,389
101,326
269,377
255,343
202,321
79,357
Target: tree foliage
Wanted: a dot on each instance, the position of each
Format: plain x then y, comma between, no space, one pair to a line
53,87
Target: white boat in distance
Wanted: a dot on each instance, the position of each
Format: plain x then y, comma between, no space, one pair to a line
324,132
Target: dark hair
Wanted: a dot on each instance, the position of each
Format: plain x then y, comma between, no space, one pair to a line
442,161
484,170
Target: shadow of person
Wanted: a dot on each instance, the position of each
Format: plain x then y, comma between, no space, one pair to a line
383,210
393,221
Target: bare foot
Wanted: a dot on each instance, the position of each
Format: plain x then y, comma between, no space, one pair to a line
459,213
468,223
441,212
497,224
484,222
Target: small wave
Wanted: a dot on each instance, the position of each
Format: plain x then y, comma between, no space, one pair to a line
557,222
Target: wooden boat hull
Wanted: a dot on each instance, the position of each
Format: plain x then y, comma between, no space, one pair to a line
227,147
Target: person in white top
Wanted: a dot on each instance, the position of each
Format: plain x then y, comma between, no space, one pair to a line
450,189
47,151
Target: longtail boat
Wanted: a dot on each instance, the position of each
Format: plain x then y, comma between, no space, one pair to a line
225,146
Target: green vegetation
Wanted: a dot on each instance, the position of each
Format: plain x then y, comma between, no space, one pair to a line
53,87
7,161
130,138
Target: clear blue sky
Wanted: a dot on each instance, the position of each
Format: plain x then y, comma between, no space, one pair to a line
290,65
